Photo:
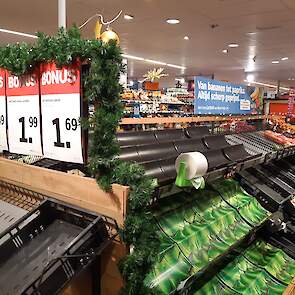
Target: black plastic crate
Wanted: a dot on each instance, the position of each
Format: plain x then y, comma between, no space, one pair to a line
49,246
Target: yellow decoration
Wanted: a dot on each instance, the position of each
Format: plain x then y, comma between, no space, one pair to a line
97,29
155,74
108,35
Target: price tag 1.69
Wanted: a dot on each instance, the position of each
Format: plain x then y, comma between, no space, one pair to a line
61,111
3,123
23,113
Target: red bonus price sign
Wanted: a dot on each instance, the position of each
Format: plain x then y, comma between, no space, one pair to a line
23,113
3,123
61,111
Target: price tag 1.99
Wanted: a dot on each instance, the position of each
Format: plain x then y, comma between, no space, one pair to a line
3,123
61,111
23,113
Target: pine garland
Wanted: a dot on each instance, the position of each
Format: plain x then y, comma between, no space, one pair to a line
102,88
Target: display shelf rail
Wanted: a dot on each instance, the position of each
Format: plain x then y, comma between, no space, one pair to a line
194,119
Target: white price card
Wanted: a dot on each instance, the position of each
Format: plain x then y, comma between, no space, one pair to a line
23,114
3,120
61,112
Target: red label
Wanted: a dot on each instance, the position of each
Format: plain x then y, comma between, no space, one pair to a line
2,82
23,85
60,81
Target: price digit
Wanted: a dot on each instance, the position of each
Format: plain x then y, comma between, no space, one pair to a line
23,138
58,142
71,124
2,121
33,122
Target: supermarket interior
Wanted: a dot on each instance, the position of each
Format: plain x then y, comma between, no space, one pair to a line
147,147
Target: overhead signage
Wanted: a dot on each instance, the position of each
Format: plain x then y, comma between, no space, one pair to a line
23,114
217,97
3,116
61,111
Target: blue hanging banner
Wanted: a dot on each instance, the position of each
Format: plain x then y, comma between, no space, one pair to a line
214,97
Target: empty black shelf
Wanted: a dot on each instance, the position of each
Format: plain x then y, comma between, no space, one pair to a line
197,132
153,170
216,159
129,154
192,145
237,153
215,142
169,135
168,168
135,138
153,152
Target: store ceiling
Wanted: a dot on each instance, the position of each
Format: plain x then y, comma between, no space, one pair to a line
264,29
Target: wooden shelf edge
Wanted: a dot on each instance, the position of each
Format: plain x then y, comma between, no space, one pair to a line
80,191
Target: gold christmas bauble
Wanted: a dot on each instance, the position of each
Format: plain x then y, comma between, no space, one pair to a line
109,35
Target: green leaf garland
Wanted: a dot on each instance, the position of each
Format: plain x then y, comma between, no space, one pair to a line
102,88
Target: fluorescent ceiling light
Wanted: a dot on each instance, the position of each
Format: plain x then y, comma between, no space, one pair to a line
233,45
156,62
225,51
132,57
285,58
176,66
186,37
18,33
173,21
275,62
128,17
268,85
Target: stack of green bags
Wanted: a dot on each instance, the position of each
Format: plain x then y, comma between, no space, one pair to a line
262,269
196,229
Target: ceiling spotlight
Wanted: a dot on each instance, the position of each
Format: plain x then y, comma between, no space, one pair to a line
275,62
233,45
186,37
128,17
250,78
173,21
225,51
285,58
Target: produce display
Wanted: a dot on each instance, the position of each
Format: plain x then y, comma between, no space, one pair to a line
195,234
279,138
261,269
145,103
279,124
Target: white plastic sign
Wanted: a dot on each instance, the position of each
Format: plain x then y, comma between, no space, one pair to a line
3,120
23,115
61,111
